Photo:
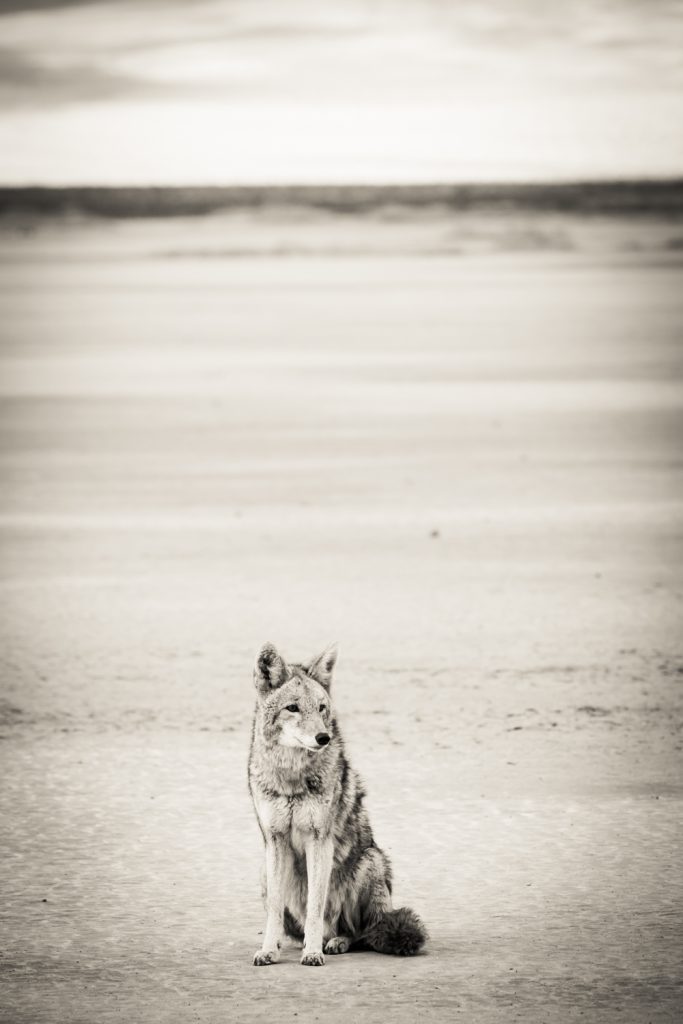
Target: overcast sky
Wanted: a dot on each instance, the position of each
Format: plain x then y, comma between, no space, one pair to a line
221,91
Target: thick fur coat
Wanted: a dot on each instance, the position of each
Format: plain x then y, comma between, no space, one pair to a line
326,881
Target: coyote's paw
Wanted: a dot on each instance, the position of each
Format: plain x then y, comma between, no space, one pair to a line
313,959
339,944
265,957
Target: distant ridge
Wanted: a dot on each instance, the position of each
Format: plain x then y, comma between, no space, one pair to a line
617,198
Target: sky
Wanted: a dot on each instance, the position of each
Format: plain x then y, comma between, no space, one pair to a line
279,91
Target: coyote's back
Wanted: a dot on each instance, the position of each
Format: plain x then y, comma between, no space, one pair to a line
326,880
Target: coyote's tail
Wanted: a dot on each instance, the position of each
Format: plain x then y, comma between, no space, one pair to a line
397,932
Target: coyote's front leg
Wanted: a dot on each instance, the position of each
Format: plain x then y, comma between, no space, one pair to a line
277,866
318,868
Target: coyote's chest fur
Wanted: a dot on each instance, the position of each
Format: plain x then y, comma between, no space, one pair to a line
289,804
326,880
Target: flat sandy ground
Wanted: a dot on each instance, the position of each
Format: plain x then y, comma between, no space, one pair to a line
465,467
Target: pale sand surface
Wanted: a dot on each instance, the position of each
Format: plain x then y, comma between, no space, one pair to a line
198,455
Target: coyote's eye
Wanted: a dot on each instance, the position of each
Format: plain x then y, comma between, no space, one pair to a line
292,707
322,707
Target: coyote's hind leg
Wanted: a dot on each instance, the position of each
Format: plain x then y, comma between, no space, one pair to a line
338,944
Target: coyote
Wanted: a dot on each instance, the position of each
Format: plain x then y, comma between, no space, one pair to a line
326,882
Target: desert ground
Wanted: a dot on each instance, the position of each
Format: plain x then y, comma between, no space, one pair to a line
463,462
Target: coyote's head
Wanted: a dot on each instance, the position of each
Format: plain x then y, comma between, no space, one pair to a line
294,700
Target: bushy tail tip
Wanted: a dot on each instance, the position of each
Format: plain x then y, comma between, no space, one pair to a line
397,932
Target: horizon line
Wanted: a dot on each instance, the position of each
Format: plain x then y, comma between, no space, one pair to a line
668,179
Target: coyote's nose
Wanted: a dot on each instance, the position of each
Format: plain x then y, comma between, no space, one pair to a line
322,738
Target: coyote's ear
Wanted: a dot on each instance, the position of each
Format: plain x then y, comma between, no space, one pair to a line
270,670
322,667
